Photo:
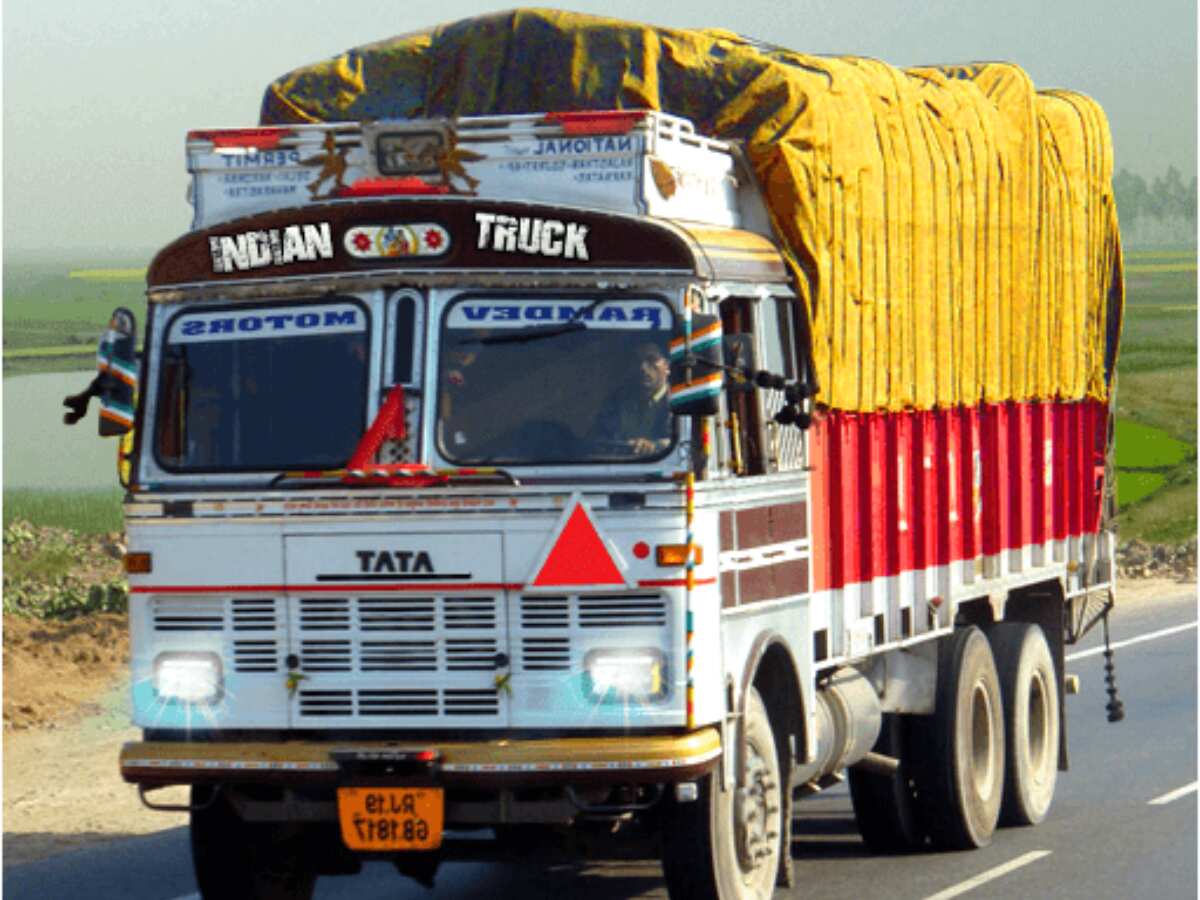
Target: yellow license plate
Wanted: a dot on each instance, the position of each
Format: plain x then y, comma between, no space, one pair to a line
391,818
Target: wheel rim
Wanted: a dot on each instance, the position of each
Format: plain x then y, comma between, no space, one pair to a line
756,818
983,742
1039,726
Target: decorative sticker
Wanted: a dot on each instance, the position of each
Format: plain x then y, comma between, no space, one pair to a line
620,315
500,233
277,322
393,241
271,247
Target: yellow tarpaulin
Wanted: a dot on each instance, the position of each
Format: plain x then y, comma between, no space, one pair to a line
951,230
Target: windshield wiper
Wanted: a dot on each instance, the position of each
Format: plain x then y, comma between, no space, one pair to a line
540,332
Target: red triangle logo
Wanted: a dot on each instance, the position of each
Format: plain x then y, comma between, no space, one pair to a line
578,556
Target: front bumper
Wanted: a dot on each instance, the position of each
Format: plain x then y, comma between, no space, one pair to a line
500,763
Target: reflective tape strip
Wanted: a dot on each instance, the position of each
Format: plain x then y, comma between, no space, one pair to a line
609,766
256,765
209,765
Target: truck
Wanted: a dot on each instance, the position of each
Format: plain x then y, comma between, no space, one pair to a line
515,483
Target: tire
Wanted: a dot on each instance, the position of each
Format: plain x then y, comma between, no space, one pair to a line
885,807
960,784
726,845
1029,686
235,859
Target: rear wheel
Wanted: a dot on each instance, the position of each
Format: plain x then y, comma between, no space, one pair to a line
236,859
726,845
961,781
885,805
1031,716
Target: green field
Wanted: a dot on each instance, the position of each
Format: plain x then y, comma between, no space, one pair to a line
1156,398
54,308
88,511
54,314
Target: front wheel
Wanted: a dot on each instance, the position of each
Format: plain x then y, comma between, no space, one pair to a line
1031,714
726,845
236,859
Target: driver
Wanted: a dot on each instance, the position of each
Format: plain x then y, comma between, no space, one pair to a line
639,416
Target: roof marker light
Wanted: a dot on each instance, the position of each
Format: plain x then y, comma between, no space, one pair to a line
242,138
596,121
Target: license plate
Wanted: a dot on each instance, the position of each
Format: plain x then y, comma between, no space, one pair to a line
391,818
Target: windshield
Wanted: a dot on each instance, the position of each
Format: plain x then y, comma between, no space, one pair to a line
545,380
267,387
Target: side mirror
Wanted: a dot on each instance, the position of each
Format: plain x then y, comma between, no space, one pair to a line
117,359
697,370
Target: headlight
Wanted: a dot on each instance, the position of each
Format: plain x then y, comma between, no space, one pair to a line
624,675
188,677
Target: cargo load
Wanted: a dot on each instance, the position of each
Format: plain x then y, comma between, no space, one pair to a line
872,174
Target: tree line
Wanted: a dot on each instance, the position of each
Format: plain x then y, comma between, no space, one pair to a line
1166,198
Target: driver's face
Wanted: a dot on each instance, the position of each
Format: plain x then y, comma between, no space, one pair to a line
654,372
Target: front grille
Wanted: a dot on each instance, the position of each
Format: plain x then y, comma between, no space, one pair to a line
398,703
325,656
255,656
399,614
384,634
470,703
253,613
248,631
622,611
398,656
419,660
326,703
545,654
187,614
416,702
552,625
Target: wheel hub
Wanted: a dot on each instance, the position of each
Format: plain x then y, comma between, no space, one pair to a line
755,805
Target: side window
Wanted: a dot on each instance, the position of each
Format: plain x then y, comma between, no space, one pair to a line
775,327
778,323
743,425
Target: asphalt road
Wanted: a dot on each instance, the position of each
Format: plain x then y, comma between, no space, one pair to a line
1123,824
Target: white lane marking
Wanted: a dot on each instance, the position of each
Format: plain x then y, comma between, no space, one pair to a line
1175,794
984,877
188,897
1136,640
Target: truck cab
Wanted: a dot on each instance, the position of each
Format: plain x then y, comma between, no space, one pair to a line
409,503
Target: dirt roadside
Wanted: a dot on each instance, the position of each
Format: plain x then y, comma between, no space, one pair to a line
66,715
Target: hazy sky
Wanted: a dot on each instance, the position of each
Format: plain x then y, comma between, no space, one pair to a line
99,95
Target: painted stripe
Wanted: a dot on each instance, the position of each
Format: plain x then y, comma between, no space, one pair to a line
674,582
763,555
904,491
312,588
1154,635
990,875
1175,794
342,588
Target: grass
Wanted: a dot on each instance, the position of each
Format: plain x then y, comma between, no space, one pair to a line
133,275
50,305
89,511
46,563
1156,398
1143,447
